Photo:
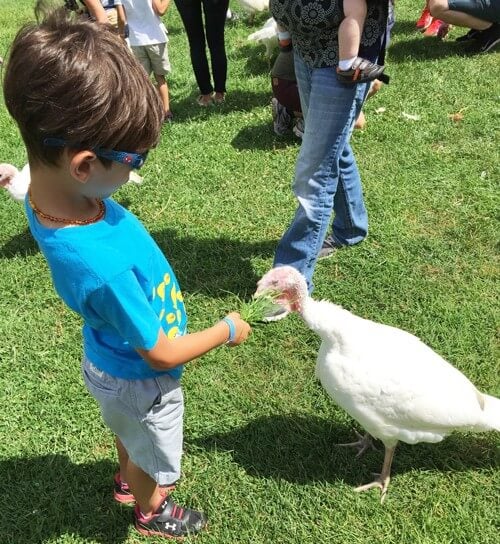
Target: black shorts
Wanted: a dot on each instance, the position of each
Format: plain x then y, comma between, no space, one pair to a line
487,10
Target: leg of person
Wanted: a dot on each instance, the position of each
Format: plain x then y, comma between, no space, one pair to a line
191,15
329,108
215,21
147,416
160,64
350,31
162,86
450,12
141,54
121,491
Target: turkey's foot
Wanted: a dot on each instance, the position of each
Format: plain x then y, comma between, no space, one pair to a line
363,443
381,482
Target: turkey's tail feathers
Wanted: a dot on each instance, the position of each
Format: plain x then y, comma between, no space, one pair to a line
491,412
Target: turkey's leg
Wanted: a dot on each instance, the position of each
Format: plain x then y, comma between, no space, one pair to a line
362,444
383,479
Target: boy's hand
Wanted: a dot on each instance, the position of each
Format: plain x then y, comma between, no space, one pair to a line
242,329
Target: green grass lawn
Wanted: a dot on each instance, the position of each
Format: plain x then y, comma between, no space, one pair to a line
259,430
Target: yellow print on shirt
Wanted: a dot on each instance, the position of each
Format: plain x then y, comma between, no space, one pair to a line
173,318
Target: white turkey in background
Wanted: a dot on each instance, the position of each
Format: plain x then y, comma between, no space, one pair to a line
267,35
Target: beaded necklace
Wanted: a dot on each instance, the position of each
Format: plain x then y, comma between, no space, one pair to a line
97,217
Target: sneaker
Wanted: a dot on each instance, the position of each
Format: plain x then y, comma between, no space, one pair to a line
433,28
276,314
121,491
488,39
281,117
471,35
425,19
328,248
362,70
298,127
170,521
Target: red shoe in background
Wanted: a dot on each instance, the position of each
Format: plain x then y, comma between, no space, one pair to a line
433,28
425,19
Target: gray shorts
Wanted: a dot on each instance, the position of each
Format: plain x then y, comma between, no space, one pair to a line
146,415
154,58
487,10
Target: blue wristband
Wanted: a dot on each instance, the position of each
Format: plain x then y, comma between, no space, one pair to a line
232,329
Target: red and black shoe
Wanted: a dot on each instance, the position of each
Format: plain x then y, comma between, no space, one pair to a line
170,521
121,491
361,71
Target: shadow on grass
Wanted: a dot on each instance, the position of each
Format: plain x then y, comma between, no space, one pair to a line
236,100
48,496
256,60
424,48
213,265
21,244
302,450
263,137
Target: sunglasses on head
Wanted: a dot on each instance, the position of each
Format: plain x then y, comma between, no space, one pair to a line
134,160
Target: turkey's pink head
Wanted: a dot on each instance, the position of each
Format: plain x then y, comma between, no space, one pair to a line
7,173
290,285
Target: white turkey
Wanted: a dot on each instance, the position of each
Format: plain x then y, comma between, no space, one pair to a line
17,182
267,35
254,6
394,385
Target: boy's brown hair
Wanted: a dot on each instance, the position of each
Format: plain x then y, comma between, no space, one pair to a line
76,80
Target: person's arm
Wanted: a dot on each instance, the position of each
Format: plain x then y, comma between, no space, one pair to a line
167,353
160,6
122,20
97,11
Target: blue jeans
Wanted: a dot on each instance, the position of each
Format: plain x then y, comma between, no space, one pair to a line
326,174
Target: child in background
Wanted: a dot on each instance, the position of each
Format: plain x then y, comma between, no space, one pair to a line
116,15
104,264
148,40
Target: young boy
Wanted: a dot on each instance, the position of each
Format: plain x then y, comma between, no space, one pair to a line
60,86
148,40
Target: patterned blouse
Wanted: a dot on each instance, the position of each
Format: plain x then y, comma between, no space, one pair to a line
313,25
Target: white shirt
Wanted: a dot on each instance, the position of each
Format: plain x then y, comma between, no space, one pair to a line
146,27
108,4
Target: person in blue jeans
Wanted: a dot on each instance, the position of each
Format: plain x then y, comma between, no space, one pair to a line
326,175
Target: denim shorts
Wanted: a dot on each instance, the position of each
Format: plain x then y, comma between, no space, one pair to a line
146,415
487,10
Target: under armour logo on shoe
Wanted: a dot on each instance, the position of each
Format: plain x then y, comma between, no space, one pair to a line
172,526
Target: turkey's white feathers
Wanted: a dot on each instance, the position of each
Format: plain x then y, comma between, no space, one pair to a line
254,6
14,181
391,382
268,35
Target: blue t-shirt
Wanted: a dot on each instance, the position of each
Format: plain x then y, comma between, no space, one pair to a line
115,276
